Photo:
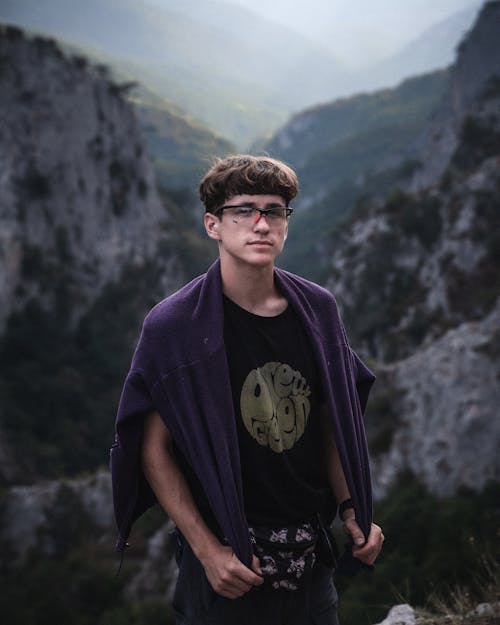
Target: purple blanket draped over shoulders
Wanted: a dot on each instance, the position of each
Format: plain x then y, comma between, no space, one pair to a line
180,369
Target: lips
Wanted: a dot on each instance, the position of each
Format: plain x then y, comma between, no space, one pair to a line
268,243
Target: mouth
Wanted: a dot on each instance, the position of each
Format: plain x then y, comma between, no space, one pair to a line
259,243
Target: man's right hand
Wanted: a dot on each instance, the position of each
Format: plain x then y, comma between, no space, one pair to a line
227,575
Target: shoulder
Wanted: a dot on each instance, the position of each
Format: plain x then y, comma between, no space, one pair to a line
175,309
314,292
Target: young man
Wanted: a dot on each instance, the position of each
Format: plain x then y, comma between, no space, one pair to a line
242,416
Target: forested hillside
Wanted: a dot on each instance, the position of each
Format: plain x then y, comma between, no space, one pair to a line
203,56
89,241
86,241
346,149
417,276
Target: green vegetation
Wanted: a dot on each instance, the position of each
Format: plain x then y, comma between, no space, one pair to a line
418,217
120,177
370,127
385,290
432,546
72,578
382,416
182,149
60,386
482,284
354,147
479,140
306,252
195,250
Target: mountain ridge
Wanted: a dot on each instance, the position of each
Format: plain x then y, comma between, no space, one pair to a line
184,58
421,55
417,276
186,53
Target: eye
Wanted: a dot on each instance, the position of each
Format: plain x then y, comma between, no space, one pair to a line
243,211
274,213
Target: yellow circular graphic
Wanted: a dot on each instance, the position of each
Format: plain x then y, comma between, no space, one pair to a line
275,406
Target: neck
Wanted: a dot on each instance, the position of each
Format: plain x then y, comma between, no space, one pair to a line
252,288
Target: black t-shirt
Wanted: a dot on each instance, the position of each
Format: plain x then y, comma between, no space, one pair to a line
277,396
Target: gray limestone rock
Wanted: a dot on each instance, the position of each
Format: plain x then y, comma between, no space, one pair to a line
400,615
78,193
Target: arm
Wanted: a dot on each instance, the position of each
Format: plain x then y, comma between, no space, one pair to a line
366,551
226,574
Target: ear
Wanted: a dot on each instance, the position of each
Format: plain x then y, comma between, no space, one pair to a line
212,224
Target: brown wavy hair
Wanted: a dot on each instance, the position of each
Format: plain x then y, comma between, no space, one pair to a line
246,174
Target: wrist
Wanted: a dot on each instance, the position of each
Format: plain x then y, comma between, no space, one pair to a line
345,506
207,549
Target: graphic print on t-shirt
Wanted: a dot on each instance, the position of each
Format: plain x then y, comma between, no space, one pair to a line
275,405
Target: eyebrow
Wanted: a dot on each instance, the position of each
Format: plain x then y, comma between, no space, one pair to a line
255,205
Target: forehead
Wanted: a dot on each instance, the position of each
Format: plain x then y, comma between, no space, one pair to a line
260,200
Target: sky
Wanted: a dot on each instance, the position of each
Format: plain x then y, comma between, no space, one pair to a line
383,26
359,32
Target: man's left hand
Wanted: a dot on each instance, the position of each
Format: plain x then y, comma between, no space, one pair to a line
366,551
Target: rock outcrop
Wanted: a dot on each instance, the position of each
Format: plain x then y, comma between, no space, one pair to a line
80,215
444,403
474,79
51,516
402,614
79,202
28,511
417,277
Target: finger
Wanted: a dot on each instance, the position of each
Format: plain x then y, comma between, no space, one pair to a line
233,590
238,581
256,565
241,572
354,531
230,585
368,553
249,576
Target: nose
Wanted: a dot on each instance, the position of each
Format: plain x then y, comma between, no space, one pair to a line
261,221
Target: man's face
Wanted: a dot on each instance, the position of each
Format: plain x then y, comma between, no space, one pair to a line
246,236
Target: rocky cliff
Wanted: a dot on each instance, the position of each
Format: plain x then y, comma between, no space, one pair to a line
83,230
474,83
87,244
418,278
78,194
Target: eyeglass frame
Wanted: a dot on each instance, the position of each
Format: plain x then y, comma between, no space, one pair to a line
262,211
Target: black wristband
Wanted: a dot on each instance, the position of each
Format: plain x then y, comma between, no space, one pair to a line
345,505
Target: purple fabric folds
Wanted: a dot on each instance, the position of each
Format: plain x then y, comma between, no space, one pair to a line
180,369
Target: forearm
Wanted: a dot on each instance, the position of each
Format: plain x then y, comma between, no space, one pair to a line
335,471
171,488
228,576
365,549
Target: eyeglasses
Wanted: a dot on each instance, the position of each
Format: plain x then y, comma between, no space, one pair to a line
250,214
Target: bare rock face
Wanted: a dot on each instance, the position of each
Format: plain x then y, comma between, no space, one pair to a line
447,431
78,192
418,280
28,511
422,263
158,571
51,518
475,74
79,211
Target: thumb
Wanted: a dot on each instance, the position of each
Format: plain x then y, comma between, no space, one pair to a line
256,565
354,531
